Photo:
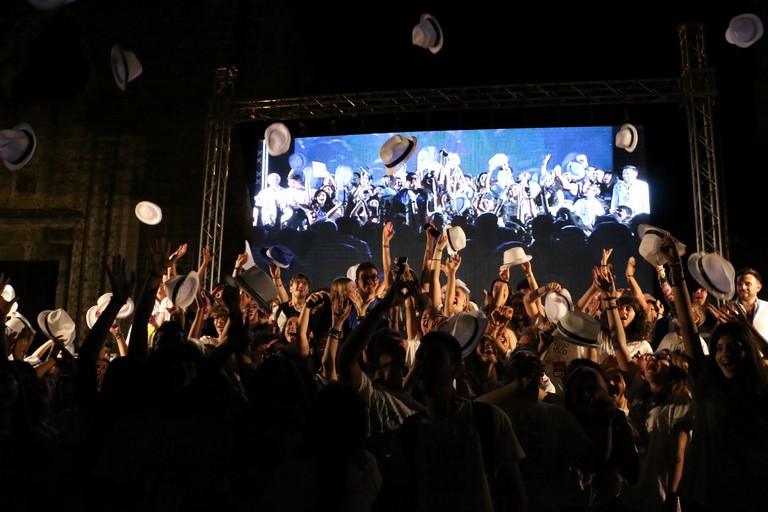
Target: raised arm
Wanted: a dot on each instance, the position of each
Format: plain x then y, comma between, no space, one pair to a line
340,309
123,287
5,310
436,263
159,251
452,265
637,291
205,260
534,309
276,274
352,349
387,233
604,280
688,329
431,233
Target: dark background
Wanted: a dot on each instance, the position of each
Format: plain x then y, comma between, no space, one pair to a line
54,72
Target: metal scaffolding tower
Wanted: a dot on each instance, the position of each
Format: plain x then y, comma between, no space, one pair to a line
695,90
219,142
699,92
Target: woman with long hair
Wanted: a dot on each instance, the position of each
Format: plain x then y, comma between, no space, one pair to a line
727,454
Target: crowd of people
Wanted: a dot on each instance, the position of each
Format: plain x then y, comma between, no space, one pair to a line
439,185
391,388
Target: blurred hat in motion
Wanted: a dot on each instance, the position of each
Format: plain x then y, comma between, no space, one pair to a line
125,66
428,34
17,146
626,138
744,30
278,139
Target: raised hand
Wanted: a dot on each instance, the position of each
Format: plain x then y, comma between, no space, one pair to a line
159,256
387,233
180,252
341,308
606,255
123,285
207,256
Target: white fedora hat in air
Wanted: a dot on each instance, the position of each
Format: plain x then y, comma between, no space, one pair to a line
278,139
556,304
256,283
626,137
396,151
467,327
125,66
714,273
58,324
182,289
650,243
744,30
578,328
9,294
428,34
94,311
457,239
515,256
17,146
149,213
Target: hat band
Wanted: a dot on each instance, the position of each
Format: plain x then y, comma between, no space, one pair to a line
399,159
575,336
450,242
655,232
706,278
48,328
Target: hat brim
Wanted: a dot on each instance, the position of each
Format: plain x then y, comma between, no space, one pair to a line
149,213
119,67
28,153
519,261
633,143
438,30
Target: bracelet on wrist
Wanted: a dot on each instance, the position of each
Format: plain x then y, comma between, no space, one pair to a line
630,275
438,249
608,308
528,276
608,298
385,246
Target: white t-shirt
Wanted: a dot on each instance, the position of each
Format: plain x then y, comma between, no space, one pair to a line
672,342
